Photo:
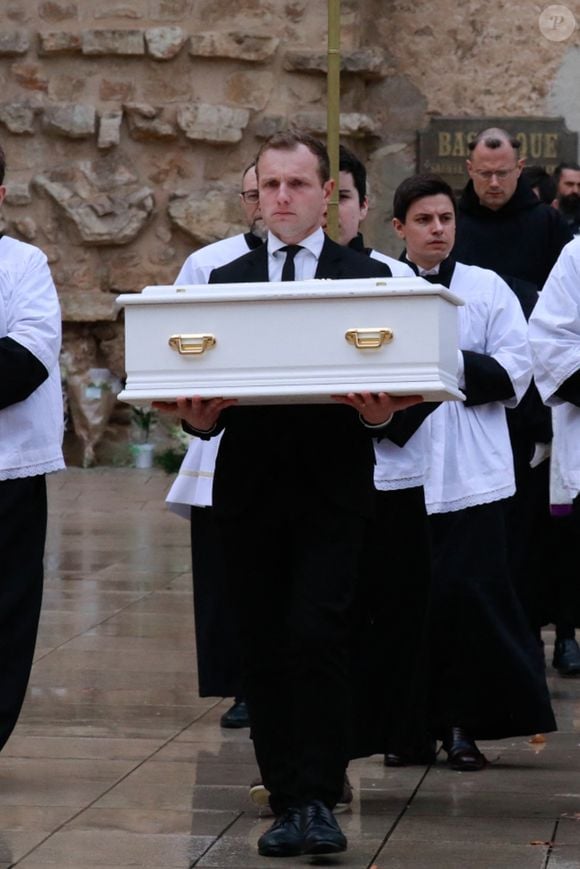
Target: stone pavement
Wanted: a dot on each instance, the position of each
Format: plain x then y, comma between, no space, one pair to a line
116,762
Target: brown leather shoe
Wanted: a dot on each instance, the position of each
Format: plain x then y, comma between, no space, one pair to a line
462,752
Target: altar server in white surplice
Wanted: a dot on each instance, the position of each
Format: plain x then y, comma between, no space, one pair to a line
555,338
31,430
487,675
218,660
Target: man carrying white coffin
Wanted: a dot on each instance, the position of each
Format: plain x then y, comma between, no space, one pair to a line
293,491
488,677
218,657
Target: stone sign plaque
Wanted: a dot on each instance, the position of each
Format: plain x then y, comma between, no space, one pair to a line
443,146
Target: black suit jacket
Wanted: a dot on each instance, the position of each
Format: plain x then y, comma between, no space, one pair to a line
294,457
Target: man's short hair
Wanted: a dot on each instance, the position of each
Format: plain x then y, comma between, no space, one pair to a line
493,138
557,174
2,164
417,187
349,162
289,140
538,178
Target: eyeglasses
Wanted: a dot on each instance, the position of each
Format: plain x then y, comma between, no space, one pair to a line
250,195
500,174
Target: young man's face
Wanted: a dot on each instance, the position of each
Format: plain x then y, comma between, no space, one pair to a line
495,173
350,212
428,230
293,198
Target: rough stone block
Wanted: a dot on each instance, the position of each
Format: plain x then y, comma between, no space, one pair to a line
30,76
170,10
270,124
74,120
353,124
215,124
132,11
15,11
59,42
110,129
368,63
120,42
238,46
26,228
13,42
150,122
86,306
205,215
18,117
103,198
57,11
163,43
18,193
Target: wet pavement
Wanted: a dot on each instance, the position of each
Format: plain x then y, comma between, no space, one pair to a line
116,762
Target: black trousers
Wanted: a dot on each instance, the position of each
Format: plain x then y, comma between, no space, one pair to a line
542,548
23,515
488,674
391,653
219,669
294,585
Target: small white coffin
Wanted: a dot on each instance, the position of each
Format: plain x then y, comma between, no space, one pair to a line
291,342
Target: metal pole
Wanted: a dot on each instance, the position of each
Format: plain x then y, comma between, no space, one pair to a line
333,110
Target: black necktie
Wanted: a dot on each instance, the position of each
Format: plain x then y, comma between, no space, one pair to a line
288,273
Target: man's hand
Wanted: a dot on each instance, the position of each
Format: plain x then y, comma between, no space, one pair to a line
377,408
201,414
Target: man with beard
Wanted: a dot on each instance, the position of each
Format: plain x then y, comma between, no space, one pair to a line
567,178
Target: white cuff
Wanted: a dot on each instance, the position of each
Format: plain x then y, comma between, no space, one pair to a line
376,425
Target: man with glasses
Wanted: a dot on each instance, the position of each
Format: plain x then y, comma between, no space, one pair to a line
503,226
501,223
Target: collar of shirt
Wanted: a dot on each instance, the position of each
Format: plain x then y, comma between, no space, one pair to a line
424,272
305,261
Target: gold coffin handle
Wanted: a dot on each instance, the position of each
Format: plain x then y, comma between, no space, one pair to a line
192,345
369,339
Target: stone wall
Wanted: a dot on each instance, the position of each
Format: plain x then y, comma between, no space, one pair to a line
127,123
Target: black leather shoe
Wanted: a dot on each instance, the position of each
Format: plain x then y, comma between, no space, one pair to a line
423,756
321,832
284,838
462,752
236,716
566,658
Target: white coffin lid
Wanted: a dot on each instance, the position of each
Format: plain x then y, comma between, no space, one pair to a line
319,288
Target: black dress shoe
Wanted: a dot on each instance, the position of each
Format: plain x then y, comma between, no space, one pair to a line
566,658
422,756
393,758
321,832
284,838
462,752
236,716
